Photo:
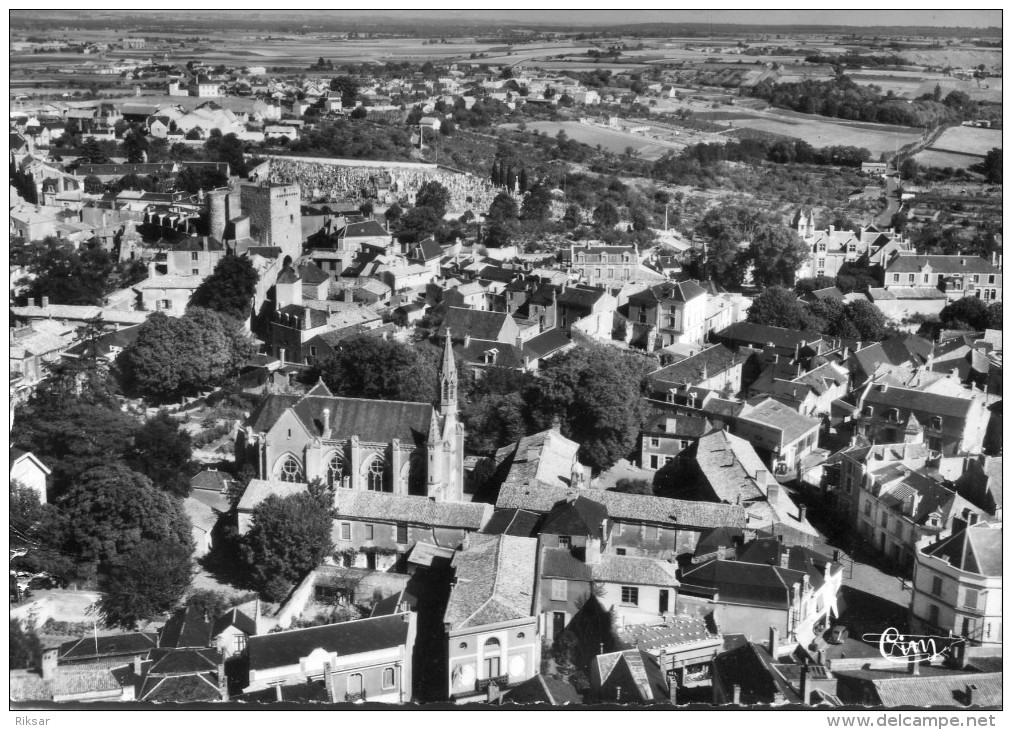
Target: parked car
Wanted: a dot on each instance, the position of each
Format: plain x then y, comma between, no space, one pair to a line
837,635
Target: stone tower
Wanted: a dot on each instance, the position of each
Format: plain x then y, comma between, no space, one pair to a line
275,216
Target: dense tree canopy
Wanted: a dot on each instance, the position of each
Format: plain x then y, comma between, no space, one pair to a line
433,195
66,275
229,289
417,224
537,204
162,452
288,537
148,580
993,165
371,367
778,307
179,356
112,508
968,313
595,392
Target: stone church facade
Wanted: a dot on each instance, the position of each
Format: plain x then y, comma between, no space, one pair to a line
367,445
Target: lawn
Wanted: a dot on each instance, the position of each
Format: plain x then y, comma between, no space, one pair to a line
936,158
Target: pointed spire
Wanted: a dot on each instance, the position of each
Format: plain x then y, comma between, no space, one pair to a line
448,379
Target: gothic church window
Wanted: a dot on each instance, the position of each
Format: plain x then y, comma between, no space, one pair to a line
376,476
335,472
290,470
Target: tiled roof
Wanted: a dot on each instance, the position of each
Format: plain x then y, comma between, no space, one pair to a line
476,351
364,229
415,510
69,682
260,489
685,427
729,466
560,563
184,660
904,292
750,667
676,630
211,479
899,689
544,458
792,424
495,581
632,675
761,335
581,296
631,570
632,508
286,648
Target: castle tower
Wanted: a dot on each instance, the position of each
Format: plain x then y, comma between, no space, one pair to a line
275,216
218,214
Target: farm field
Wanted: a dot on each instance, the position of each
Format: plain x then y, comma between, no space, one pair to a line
968,140
611,140
937,158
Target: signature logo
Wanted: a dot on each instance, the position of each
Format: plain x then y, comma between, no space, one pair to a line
905,648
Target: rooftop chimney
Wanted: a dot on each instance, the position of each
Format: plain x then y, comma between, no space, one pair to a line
805,699
774,642
915,667
802,510
45,301
736,694
326,421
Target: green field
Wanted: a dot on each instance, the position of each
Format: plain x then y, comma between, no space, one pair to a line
968,140
611,140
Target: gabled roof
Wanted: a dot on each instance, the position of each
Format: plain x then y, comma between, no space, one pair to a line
750,667
748,584
412,509
681,291
364,229
951,689
629,676
234,617
90,648
578,516
918,400
287,648
693,369
977,549
632,508
516,522
911,263
186,629
540,689
546,343
791,424
495,581
482,325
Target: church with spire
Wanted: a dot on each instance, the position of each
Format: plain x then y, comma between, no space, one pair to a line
356,444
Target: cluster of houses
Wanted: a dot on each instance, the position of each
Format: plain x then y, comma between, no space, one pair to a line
465,569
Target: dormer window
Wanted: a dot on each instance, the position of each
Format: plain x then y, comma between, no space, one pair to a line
490,356
936,423
868,411
893,415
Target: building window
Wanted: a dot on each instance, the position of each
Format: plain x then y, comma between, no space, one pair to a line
990,278
936,586
335,471
630,596
653,461
195,272
240,643
388,678
654,442
377,472
822,263
194,256
867,509
290,470
565,541
884,521
354,684
936,423
933,614
345,530
491,663
166,303
368,532
559,590
976,278
896,278
683,445
402,533
620,551
910,278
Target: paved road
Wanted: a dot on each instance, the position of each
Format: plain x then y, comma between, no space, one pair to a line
892,203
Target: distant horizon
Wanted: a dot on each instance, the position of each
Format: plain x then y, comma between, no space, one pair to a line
854,18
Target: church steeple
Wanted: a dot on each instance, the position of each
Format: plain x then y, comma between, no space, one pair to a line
448,380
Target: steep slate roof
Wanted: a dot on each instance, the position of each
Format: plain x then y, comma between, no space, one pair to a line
186,629
676,630
630,675
976,549
286,648
541,459
580,516
260,489
364,229
546,343
89,647
907,263
750,667
482,325
416,510
516,522
495,581
682,291
748,584
473,350
544,690
918,400
234,617
712,360
633,508
378,421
